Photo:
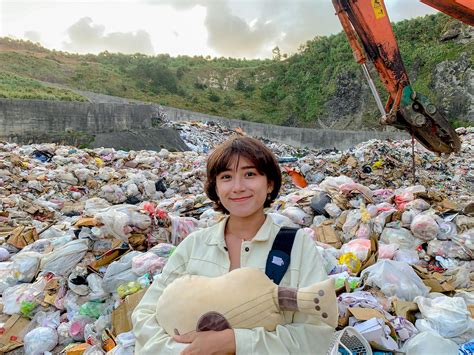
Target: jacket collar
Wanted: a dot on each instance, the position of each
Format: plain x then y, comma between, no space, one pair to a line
217,232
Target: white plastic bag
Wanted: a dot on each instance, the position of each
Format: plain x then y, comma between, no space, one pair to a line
61,261
429,343
395,278
401,237
424,227
40,340
282,220
448,316
119,272
25,266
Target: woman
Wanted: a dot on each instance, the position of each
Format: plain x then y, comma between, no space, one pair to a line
243,178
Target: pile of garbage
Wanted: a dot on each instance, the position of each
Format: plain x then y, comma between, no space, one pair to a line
83,233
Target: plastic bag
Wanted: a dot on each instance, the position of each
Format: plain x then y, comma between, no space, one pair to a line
424,227
448,249
448,316
333,210
297,215
395,278
181,227
119,272
77,325
418,204
25,266
61,261
119,220
163,249
282,220
331,184
352,222
359,247
97,292
447,230
407,256
128,288
429,343
125,344
351,261
40,340
4,254
387,251
147,263
401,237
465,239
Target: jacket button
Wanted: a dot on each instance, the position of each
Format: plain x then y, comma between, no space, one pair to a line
247,248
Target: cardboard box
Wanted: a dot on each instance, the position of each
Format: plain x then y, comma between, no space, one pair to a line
22,236
405,309
434,280
14,330
122,316
107,258
326,234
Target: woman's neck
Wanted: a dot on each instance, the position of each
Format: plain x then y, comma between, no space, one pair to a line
244,228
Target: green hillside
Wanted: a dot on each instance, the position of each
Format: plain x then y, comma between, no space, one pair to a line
292,91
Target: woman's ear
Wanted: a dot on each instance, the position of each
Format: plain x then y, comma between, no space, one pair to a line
270,186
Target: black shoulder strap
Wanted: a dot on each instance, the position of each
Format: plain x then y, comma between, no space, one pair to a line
279,256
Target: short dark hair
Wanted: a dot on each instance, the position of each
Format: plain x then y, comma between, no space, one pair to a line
250,148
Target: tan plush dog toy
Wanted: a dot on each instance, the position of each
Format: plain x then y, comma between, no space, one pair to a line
243,298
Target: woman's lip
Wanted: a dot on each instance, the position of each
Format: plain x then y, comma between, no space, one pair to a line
240,199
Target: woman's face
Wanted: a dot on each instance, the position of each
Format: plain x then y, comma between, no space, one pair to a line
242,190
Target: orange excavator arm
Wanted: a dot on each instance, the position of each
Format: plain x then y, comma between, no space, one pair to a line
367,26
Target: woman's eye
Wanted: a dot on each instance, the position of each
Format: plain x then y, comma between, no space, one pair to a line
251,173
225,177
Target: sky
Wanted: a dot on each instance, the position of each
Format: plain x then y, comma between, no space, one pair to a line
228,28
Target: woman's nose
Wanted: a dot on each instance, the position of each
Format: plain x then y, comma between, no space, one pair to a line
238,184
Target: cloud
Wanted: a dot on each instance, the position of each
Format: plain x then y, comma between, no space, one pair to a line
87,37
32,36
266,24
252,28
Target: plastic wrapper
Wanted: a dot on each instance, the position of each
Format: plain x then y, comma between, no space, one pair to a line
125,344
13,297
465,239
401,237
119,272
147,263
40,340
448,249
424,227
297,216
351,261
331,184
448,316
47,319
282,220
209,218
163,249
77,325
359,247
408,216
181,227
25,266
92,309
387,251
97,292
4,254
128,288
352,222
429,343
406,256
119,220
61,261
418,204
447,230
395,278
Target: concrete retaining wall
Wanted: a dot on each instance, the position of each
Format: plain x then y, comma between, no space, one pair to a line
25,121
301,137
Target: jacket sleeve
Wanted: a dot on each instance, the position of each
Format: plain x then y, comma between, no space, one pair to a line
305,334
151,338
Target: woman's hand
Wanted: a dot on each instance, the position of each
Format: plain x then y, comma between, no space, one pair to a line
208,342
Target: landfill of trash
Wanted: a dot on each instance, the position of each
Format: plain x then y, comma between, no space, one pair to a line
84,232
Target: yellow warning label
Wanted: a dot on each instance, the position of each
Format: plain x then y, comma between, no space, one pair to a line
379,11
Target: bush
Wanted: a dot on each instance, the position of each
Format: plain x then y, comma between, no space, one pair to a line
212,96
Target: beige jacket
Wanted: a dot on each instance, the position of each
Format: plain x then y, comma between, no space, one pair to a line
203,253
